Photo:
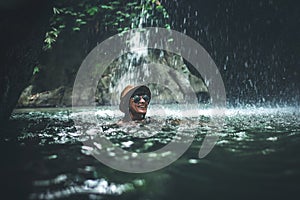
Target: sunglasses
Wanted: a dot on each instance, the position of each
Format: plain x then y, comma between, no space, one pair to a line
137,98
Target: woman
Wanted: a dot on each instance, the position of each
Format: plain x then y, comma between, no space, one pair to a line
134,102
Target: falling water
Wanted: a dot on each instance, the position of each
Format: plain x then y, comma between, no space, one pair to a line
142,65
131,69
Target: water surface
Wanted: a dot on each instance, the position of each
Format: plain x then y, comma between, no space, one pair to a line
256,156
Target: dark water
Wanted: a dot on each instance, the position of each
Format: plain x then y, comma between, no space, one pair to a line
256,157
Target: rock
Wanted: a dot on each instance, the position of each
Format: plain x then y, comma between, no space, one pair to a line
166,74
67,98
24,98
51,98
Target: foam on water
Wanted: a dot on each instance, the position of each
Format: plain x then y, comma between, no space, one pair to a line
190,111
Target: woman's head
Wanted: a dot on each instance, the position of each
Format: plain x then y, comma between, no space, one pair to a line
134,101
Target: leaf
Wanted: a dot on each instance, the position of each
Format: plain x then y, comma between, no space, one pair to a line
115,2
56,10
107,7
137,7
55,34
131,4
76,29
54,29
167,26
35,70
82,22
62,26
49,40
159,8
93,10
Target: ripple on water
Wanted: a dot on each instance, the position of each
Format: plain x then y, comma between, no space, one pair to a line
56,147
89,186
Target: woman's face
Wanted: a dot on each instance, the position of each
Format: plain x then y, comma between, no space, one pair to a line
138,104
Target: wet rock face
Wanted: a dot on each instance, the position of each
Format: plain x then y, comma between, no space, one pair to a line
58,97
168,77
169,82
166,74
23,27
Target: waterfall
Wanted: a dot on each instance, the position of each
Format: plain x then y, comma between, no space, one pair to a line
163,72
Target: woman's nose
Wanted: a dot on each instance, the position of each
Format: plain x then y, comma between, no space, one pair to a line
142,99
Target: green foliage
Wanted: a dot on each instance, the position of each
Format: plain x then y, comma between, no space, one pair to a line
36,70
112,16
136,15
92,11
